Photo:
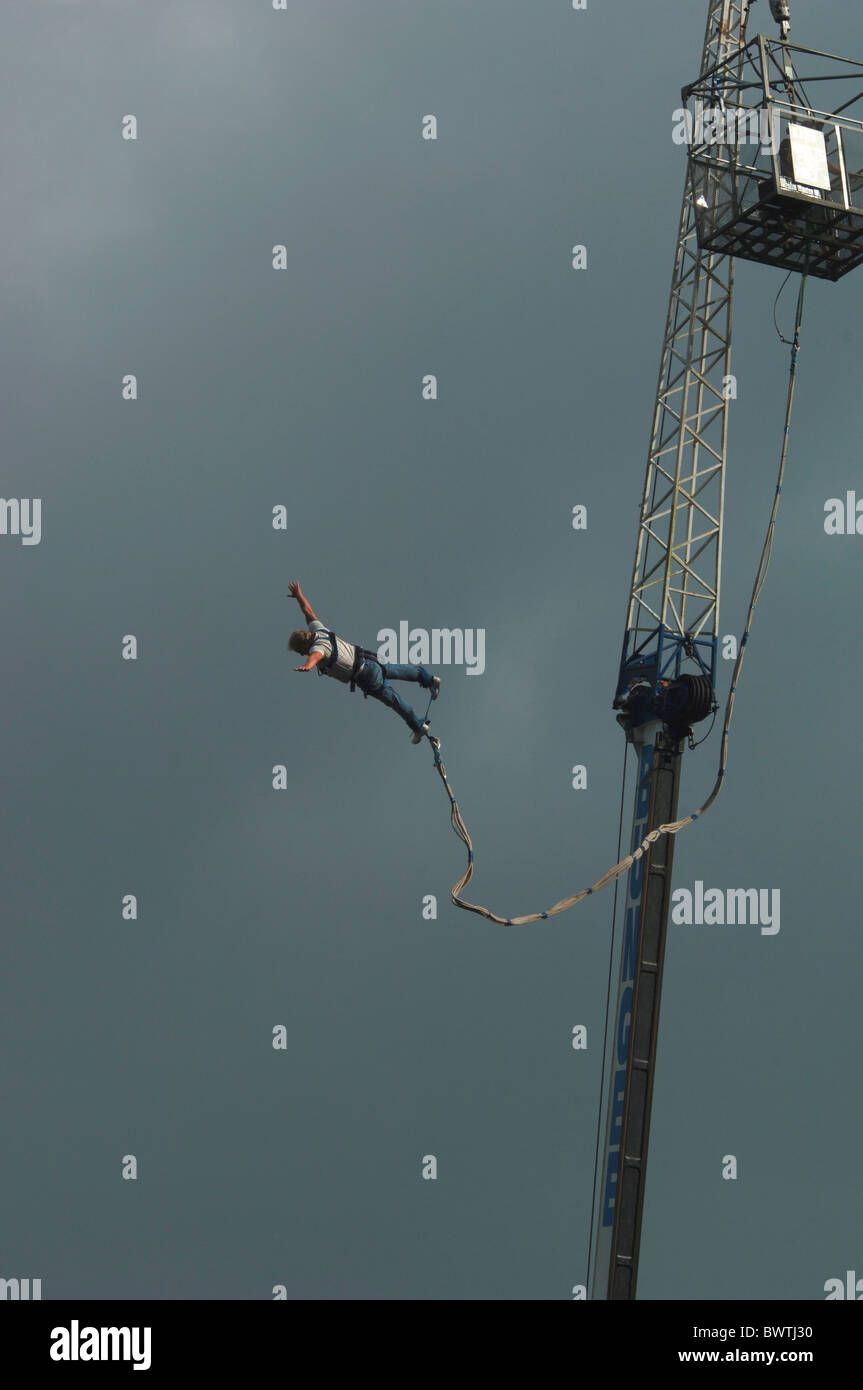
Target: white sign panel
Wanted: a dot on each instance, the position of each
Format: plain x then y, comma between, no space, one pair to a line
809,157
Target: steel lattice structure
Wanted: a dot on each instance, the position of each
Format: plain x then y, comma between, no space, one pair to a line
798,204
672,620
674,598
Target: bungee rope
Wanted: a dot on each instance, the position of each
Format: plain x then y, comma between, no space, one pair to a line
671,827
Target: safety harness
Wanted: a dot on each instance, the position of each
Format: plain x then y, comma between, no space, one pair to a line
361,654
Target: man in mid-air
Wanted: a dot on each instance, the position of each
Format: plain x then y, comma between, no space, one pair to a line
356,666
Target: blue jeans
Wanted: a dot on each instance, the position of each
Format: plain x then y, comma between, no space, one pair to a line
372,675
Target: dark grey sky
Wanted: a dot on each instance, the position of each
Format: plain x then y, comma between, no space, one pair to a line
257,908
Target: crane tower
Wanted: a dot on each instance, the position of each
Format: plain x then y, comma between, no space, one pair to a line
791,198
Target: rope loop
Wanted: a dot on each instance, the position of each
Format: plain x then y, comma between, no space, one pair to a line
672,827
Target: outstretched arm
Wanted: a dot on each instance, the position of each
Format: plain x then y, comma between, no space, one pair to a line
311,661
294,591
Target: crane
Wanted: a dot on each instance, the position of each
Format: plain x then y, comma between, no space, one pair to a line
795,203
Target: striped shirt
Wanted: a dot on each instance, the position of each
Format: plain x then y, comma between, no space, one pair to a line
344,662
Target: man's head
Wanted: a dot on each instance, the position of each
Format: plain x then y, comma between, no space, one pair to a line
301,641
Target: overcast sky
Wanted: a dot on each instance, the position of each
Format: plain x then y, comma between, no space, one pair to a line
303,907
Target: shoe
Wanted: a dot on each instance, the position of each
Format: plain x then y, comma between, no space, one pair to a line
421,733
435,687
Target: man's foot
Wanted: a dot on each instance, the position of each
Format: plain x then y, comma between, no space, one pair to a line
421,733
435,687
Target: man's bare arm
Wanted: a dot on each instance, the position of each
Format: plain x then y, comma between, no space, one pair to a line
311,661
296,592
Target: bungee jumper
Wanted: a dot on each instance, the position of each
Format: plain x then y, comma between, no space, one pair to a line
357,667
351,664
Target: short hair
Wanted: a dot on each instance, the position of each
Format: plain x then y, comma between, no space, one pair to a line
300,640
